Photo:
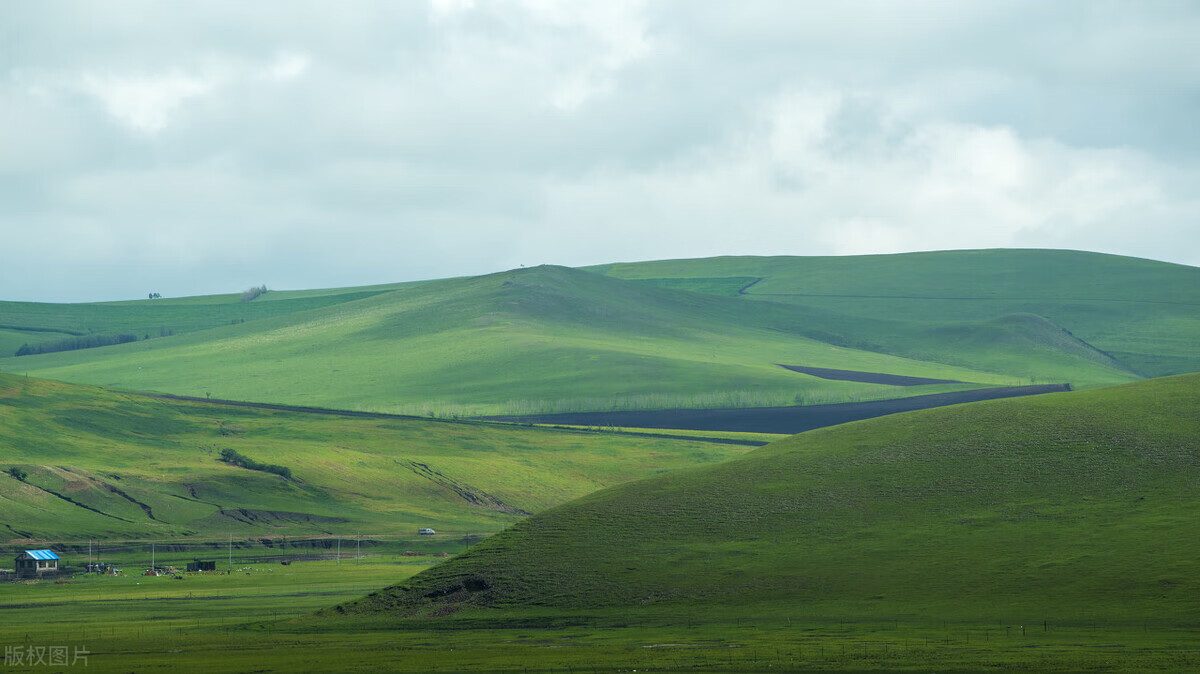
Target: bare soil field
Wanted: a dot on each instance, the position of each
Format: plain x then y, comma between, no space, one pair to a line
382,415
777,419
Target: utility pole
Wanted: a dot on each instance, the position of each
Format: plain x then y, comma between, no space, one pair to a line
357,547
230,553
152,556
89,554
339,552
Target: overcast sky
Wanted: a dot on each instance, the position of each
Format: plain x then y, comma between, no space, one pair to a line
204,147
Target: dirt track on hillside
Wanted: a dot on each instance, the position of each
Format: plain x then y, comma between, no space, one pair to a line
777,419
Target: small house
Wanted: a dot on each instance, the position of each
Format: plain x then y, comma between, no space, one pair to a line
36,562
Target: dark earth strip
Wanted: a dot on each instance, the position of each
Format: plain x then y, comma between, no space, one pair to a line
113,490
778,419
743,289
697,438
476,497
74,502
382,415
280,408
145,508
867,377
24,328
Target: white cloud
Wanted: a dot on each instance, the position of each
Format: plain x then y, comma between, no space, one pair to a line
800,182
145,103
286,66
617,38
403,140
446,8
573,52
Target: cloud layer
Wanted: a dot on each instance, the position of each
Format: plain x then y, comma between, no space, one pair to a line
189,149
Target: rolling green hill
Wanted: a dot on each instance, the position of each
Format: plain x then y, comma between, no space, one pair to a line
1070,507
82,463
548,338
552,339
1144,313
40,322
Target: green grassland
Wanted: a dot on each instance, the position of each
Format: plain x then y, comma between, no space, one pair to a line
201,623
1143,313
669,334
35,322
1045,533
546,339
102,464
252,620
1051,533
1073,509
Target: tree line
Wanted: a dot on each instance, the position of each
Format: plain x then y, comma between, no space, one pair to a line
250,294
74,343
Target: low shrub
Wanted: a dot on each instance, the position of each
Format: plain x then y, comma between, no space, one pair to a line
233,458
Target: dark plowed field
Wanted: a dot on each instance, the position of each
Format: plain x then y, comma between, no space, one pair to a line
381,415
866,377
777,419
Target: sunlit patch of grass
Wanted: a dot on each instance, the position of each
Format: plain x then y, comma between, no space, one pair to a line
99,464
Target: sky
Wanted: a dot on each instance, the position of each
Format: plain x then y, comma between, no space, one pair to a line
206,147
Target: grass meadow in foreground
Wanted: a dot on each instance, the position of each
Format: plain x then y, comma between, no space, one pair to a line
255,619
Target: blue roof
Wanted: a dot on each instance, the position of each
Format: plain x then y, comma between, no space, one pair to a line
41,554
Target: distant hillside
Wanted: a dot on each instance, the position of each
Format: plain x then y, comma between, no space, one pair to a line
79,462
1066,507
1143,313
35,323
546,339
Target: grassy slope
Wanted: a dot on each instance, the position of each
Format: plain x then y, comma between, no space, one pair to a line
115,453
1068,507
1142,312
547,338
37,322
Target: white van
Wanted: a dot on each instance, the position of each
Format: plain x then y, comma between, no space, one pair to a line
426,531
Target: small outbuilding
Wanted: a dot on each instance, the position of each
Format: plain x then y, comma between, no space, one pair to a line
200,565
36,562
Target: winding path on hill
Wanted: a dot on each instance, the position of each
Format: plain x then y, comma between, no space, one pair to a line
794,419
